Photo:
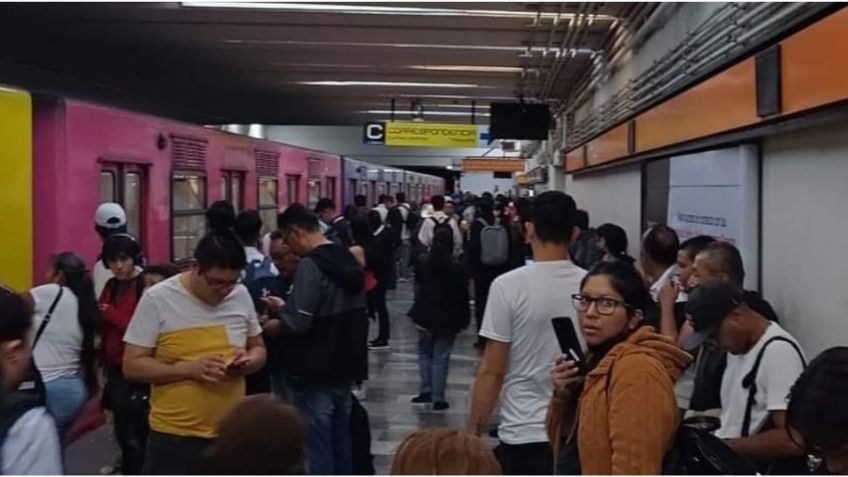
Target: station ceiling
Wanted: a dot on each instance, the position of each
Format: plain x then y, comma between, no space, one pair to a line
306,63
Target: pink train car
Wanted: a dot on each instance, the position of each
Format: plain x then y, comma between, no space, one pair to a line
163,172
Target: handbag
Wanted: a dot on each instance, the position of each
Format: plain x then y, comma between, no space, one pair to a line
370,280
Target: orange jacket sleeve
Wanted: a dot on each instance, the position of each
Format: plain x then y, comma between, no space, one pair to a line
642,415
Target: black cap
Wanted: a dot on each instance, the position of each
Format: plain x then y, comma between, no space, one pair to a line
708,305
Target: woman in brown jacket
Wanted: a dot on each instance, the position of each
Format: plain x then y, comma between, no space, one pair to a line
620,418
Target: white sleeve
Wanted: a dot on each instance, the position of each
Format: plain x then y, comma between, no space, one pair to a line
497,319
43,296
780,368
32,446
424,235
144,326
253,327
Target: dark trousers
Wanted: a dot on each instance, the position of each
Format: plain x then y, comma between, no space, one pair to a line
482,282
128,402
377,305
168,454
526,459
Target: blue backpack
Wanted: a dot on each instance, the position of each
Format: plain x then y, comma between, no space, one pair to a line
257,270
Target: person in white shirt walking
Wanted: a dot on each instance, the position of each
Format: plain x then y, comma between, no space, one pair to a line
521,345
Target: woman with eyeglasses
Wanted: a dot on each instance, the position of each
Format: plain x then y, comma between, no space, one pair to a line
621,416
817,417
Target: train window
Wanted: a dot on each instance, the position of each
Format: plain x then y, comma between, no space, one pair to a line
107,186
133,202
314,193
188,195
292,189
232,185
331,188
268,203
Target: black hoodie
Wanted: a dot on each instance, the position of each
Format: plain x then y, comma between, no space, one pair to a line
325,314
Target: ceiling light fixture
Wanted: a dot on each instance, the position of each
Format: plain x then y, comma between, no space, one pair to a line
428,113
530,50
403,84
475,69
389,10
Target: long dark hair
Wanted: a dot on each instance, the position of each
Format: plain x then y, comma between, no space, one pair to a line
220,247
485,210
77,279
361,234
616,241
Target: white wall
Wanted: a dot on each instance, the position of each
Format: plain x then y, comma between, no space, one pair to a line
479,182
613,195
805,232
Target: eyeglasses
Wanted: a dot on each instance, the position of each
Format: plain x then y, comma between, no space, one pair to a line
218,283
603,305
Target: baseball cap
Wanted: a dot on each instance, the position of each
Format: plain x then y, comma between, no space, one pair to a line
110,215
708,304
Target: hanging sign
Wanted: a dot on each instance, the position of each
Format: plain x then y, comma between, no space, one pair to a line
421,134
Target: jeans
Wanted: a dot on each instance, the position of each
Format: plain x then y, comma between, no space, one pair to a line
403,259
329,448
536,458
168,454
377,304
280,386
433,360
129,404
65,398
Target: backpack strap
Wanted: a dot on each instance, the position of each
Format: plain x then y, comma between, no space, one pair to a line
749,382
48,316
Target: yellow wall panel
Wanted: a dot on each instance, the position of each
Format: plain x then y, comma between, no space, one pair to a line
16,188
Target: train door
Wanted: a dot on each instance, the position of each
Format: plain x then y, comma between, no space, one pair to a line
331,188
267,201
313,183
352,187
372,194
126,184
292,189
232,188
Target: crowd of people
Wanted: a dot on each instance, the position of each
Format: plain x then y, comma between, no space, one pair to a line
253,358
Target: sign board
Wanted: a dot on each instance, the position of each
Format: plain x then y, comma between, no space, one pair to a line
492,165
716,193
421,134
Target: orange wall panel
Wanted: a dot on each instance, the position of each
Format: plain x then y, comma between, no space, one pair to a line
574,160
814,69
607,147
724,102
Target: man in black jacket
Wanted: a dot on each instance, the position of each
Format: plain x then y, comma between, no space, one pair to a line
326,352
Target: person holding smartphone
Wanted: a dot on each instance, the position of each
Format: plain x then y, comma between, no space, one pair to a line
627,415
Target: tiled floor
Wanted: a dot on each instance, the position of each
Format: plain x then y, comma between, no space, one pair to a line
393,382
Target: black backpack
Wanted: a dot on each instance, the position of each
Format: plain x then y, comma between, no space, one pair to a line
412,218
698,452
442,227
360,431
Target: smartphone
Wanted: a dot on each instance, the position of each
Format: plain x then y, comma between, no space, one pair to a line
568,342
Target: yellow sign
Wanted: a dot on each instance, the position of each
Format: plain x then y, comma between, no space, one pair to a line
430,134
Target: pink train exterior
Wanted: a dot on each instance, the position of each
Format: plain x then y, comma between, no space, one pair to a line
75,142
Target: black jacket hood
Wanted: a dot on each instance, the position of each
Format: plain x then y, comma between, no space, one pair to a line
339,265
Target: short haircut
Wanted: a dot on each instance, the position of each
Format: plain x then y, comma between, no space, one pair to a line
277,235
661,245
258,436
248,225
553,215
325,204
696,245
724,257
360,200
443,451
120,246
438,202
581,219
220,247
297,215
15,318
401,197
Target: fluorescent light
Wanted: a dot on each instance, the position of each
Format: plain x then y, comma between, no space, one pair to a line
390,10
436,46
426,112
388,84
451,96
476,69
461,106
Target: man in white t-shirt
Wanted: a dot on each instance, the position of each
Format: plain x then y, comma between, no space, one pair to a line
763,359
522,346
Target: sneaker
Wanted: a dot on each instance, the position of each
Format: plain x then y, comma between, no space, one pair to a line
360,392
423,398
378,344
440,406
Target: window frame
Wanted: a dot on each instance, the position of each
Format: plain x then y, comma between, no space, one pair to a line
289,179
265,207
189,212
119,172
229,178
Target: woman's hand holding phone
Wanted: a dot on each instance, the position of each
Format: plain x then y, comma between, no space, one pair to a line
566,375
